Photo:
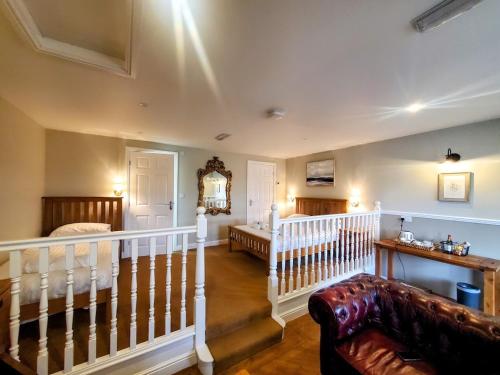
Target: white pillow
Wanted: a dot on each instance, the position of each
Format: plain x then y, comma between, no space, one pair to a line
296,215
78,229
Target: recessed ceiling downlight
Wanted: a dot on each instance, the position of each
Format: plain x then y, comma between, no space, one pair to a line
415,107
222,136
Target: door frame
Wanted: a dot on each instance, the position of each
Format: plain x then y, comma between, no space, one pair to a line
128,152
275,179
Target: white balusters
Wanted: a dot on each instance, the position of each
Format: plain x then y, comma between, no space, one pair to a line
291,244
306,258
299,255
313,255
362,242
42,361
168,285
92,300
283,260
318,247
332,232
356,241
68,347
337,242
133,294
342,246
113,336
76,285
325,250
152,285
15,309
272,280
183,281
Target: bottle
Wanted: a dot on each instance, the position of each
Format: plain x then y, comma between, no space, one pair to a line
449,241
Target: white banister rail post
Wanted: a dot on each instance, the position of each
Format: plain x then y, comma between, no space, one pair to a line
199,295
205,359
272,286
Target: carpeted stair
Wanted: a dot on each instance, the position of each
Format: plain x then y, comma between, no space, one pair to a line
239,322
233,347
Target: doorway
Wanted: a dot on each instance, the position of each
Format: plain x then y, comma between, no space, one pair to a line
152,193
261,191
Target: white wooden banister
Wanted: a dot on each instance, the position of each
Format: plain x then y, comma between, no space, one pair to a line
318,251
71,279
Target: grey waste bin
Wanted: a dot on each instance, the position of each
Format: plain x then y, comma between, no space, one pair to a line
468,295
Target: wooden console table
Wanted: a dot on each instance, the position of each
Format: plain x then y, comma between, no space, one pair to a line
489,267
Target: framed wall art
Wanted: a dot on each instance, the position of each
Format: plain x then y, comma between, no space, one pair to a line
454,187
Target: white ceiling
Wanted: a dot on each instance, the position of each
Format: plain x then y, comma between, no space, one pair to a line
342,69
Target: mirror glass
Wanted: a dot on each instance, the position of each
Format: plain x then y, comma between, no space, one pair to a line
214,195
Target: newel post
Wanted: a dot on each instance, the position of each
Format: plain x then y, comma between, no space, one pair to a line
272,286
199,296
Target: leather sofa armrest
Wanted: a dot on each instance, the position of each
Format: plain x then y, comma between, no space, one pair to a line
345,308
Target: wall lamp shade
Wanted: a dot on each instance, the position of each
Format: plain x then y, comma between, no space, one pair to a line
452,156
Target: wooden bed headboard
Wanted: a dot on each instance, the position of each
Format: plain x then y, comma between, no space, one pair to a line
320,206
57,211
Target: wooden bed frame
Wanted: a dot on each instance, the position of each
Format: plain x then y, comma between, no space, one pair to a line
57,211
260,247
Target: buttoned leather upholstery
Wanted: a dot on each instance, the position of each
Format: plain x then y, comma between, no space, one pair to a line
450,337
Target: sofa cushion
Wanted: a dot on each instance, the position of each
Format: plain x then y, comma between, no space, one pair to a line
373,352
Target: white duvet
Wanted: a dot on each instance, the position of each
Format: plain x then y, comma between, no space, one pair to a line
30,280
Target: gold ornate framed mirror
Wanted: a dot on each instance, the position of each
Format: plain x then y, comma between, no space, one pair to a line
214,187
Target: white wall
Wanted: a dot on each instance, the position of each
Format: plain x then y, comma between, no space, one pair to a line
402,173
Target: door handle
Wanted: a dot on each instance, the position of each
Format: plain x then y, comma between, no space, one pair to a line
250,203
170,205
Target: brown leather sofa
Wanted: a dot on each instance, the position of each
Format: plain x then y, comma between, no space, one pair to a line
366,320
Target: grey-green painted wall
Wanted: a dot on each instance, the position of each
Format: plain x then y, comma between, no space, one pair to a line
81,164
402,173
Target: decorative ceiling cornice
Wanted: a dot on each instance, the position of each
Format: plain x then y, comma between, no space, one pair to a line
25,23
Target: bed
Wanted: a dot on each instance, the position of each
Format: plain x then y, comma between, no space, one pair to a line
59,217
257,241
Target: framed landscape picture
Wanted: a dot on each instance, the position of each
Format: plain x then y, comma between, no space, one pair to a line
454,187
320,173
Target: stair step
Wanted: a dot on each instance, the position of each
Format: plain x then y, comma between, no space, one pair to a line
225,323
244,342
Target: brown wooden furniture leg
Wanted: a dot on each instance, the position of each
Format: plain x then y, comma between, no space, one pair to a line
390,265
378,261
230,238
491,286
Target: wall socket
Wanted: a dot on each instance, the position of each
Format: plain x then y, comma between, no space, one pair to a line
407,219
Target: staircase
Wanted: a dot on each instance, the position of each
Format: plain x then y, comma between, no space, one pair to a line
239,322
243,338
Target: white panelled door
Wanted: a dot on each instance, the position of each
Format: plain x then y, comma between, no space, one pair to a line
151,194
261,190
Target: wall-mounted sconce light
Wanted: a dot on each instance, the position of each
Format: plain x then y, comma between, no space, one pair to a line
354,199
290,198
118,187
452,157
